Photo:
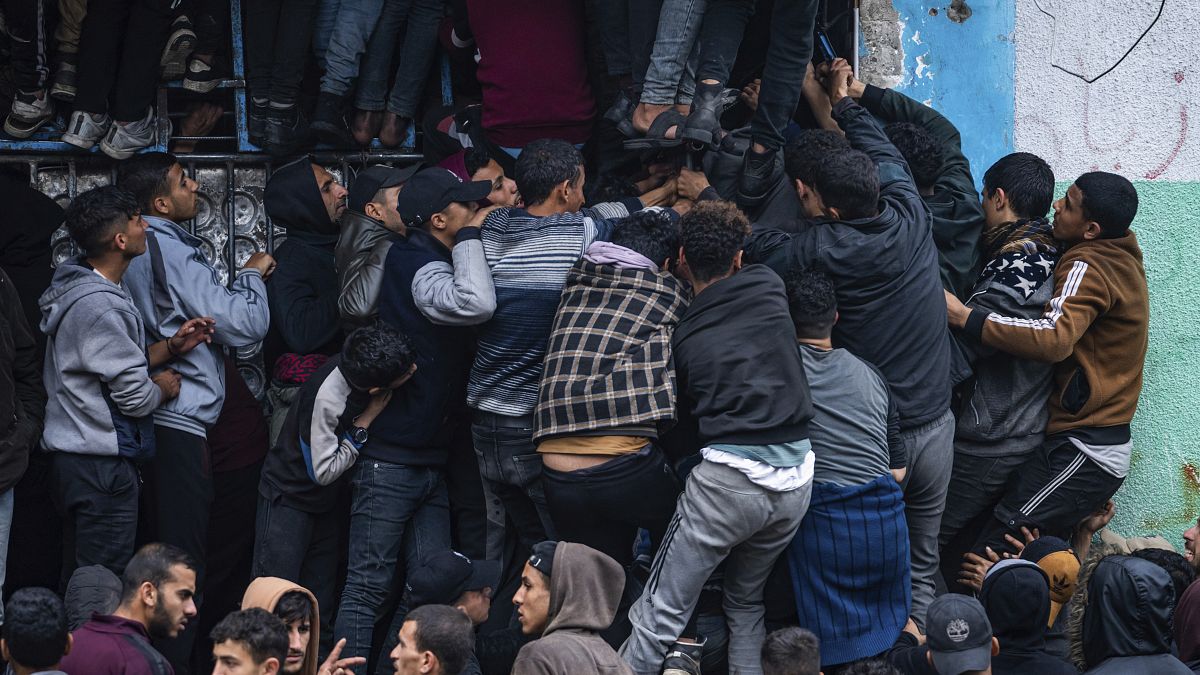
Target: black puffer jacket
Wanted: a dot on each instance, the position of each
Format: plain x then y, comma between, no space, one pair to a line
1125,627
22,397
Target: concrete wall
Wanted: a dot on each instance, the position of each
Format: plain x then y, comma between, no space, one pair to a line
1087,84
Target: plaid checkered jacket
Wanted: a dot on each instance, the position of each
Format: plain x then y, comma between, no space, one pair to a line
608,363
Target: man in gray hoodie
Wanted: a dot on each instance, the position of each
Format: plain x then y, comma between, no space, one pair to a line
99,387
172,282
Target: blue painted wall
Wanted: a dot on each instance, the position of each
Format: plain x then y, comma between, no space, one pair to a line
965,71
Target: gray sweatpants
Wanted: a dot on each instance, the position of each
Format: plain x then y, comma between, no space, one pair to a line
720,515
930,460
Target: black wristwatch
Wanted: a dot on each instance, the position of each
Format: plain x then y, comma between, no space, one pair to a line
359,435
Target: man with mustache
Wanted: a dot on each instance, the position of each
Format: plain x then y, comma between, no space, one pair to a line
157,601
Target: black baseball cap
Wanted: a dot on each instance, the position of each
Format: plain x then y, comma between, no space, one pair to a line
442,577
375,178
432,190
959,634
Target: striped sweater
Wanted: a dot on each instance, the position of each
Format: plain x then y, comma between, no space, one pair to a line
530,257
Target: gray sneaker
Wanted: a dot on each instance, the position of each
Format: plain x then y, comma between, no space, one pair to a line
64,81
28,114
85,130
122,142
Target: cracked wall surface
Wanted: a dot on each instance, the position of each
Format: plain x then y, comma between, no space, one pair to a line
1087,84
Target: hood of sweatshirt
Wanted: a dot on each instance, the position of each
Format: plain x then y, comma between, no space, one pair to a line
93,589
265,592
293,200
73,280
1016,596
585,589
1128,612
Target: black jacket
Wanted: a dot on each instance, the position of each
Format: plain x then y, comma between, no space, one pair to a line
25,253
1127,619
957,213
891,307
303,291
738,370
1016,596
22,398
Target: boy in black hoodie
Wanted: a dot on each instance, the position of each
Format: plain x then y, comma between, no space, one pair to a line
741,377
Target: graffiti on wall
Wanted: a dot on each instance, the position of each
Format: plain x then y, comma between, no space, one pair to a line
1109,85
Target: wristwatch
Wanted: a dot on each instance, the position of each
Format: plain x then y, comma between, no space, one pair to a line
359,435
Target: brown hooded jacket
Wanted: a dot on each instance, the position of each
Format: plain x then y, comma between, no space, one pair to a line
265,592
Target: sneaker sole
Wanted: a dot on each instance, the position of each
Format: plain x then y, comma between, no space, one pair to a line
120,154
63,92
201,86
79,141
174,60
26,132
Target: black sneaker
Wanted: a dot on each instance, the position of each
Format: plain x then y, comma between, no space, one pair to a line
202,77
65,77
256,123
29,112
179,46
287,131
329,119
755,178
684,658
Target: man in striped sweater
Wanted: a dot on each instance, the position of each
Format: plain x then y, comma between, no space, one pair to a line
1095,329
530,250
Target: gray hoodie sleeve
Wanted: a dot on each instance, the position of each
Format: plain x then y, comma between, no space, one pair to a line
458,295
359,299
106,347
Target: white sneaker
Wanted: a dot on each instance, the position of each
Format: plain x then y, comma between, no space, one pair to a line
84,129
122,142
28,114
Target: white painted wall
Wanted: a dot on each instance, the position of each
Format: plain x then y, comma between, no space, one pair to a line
1142,118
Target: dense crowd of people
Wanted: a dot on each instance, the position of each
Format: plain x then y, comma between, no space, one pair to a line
710,380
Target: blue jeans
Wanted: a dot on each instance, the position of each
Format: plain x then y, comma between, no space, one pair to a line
393,508
361,47
670,75
327,12
511,469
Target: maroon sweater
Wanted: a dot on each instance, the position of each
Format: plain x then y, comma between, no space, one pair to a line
110,645
533,70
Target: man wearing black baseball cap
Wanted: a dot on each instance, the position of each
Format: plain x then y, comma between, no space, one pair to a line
451,578
369,219
959,641
436,283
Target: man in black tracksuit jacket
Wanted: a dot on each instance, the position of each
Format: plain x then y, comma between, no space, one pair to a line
890,303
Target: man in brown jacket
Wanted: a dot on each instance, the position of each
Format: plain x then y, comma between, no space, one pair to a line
1095,330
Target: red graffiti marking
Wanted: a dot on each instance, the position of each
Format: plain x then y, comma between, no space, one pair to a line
1162,168
1178,76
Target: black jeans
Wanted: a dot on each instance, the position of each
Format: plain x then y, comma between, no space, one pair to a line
629,27
97,497
720,37
511,469
788,54
179,496
976,486
605,505
119,49
211,20
30,43
468,509
278,34
1054,490
303,548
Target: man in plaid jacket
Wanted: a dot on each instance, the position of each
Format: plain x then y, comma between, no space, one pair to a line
608,389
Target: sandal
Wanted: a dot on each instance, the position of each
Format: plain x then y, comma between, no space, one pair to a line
656,135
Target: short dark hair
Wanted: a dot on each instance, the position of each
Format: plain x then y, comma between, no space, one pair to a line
544,164
35,628
712,233
812,300
153,563
376,355
145,176
294,606
871,666
651,232
93,217
1027,181
807,151
920,149
447,632
262,633
475,158
849,181
791,651
1110,200
1181,571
